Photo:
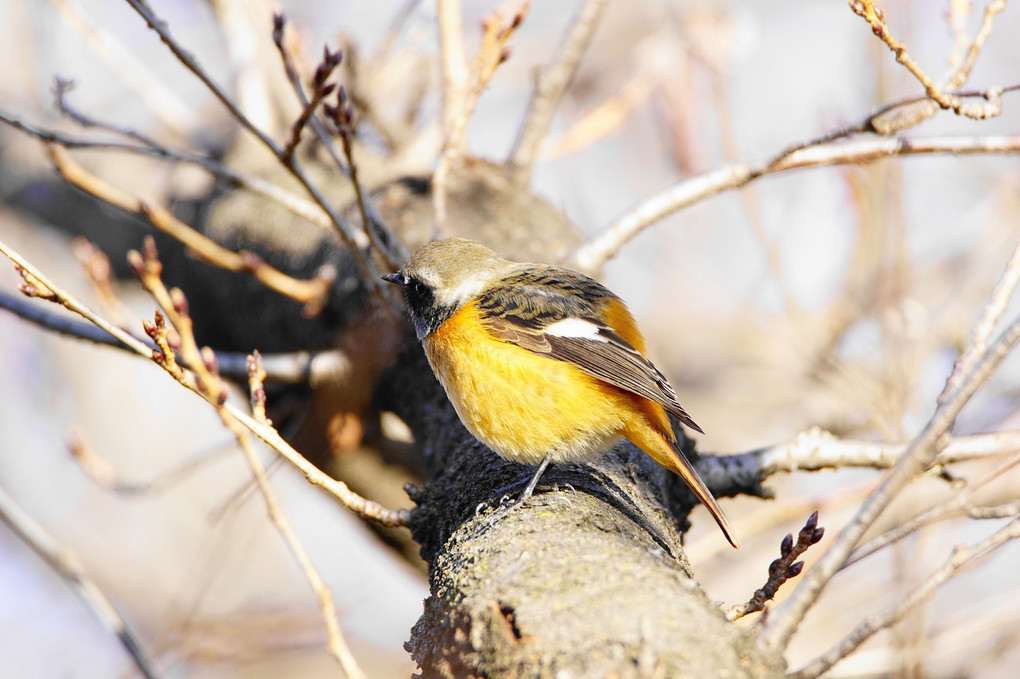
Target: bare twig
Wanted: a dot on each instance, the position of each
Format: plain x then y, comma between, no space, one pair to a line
209,385
492,52
962,557
983,329
66,563
956,505
385,242
596,250
299,206
312,293
919,455
257,387
816,449
320,90
344,229
550,83
383,239
874,16
299,367
36,284
785,568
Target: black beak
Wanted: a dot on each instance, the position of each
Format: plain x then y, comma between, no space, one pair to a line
394,278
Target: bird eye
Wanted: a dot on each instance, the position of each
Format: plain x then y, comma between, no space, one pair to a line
419,289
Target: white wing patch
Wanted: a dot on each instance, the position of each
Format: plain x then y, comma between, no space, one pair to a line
575,327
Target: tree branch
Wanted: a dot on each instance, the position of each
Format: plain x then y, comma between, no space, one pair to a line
602,246
66,563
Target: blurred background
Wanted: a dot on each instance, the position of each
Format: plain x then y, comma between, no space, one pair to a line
835,297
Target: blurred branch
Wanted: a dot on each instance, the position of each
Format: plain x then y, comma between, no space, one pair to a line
785,568
344,229
919,455
36,285
961,558
164,104
983,329
960,504
550,83
604,245
66,563
453,59
312,293
492,52
817,449
299,206
209,385
299,367
103,474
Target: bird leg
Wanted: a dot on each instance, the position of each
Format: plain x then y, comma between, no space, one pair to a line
534,480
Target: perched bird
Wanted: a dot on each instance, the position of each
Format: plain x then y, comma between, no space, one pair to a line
543,364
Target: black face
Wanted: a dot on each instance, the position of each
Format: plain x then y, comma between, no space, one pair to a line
421,304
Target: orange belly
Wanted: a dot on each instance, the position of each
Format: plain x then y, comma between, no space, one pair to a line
523,405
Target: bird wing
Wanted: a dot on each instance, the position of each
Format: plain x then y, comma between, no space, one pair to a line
548,327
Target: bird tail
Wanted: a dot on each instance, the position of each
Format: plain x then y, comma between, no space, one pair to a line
669,455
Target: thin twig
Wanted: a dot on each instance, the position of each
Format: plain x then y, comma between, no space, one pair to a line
320,90
299,206
344,229
299,367
875,17
379,233
312,293
983,329
66,563
37,284
961,558
958,504
783,569
492,52
919,455
816,449
602,246
550,84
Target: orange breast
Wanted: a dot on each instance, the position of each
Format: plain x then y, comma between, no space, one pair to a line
521,404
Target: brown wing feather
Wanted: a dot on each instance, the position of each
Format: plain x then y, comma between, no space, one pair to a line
613,361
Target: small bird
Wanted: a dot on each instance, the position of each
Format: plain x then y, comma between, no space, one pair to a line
543,364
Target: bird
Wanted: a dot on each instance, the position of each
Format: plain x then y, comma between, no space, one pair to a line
543,364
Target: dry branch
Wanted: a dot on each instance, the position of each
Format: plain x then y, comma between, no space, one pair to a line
492,52
66,563
783,569
919,455
38,285
343,228
602,246
961,558
312,293
550,84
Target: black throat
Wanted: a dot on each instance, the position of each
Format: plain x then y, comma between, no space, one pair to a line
427,314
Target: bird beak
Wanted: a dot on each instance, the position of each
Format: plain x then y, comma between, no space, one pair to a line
394,278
